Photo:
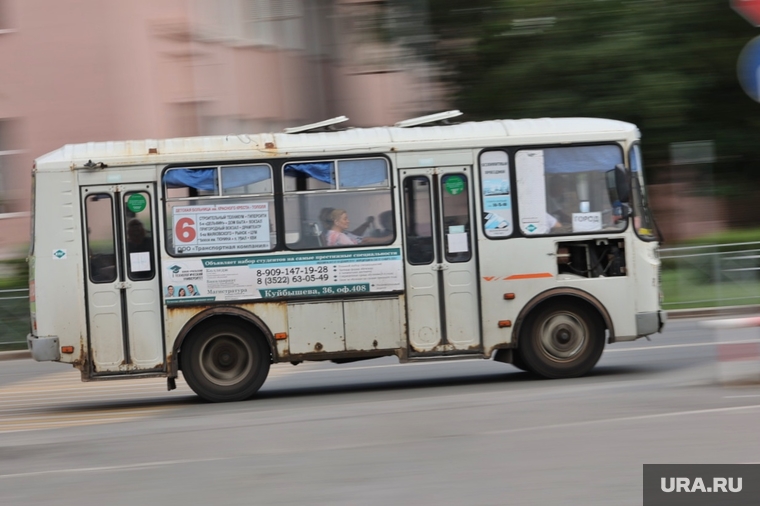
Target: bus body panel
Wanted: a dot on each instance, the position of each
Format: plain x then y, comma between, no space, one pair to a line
441,264
464,299
437,158
58,281
309,327
122,278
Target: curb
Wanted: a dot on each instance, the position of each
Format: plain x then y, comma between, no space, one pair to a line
14,355
712,312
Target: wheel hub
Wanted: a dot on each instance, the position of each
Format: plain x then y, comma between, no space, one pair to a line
563,336
226,359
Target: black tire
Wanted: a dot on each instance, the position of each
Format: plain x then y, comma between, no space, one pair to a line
225,362
562,340
518,361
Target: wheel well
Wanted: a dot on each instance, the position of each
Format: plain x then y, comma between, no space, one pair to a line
204,320
558,297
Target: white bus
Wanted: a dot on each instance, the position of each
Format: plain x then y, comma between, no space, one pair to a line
526,241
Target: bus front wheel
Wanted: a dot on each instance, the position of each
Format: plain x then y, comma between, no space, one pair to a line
225,362
562,340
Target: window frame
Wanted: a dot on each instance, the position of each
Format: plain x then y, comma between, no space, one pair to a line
639,175
219,197
389,187
513,150
114,239
127,253
515,232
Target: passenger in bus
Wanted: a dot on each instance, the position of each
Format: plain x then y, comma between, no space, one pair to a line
552,222
327,222
137,238
385,230
338,235
139,242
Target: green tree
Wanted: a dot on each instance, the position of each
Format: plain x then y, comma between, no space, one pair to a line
668,66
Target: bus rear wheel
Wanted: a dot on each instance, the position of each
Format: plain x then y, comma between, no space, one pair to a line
225,362
562,340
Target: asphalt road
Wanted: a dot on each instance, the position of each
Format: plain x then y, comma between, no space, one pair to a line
379,433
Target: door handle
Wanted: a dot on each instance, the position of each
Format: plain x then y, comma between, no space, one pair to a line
123,285
439,267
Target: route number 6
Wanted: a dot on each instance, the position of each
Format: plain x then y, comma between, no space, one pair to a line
184,230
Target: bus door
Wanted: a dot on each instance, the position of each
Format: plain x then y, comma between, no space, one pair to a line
441,272
123,294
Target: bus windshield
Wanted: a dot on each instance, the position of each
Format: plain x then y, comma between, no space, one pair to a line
643,220
563,190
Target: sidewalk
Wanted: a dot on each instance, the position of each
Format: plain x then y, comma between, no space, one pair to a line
13,355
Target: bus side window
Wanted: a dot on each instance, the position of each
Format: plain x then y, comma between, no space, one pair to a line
334,203
101,245
140,258
419,221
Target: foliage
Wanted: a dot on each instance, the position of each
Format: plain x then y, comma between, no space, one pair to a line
14,306
669,66
14,274
736,236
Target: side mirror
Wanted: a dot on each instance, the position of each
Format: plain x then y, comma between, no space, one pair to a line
618,185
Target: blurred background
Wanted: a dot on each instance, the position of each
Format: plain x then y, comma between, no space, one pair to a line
75,71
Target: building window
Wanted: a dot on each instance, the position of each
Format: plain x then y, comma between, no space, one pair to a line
6,21
277,23
11,191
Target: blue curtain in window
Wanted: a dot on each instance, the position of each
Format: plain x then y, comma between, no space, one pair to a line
201,179
205,179
581,159
319,171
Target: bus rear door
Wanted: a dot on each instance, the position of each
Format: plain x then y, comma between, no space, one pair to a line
441,271
123,294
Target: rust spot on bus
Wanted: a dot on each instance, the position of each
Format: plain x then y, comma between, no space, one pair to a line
81,361
318,347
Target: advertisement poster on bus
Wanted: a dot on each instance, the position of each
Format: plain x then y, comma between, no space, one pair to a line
497,207
221,227
276,276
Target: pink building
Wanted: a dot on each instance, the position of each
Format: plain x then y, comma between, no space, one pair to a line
92,70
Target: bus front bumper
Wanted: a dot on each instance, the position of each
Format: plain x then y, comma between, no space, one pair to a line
44,349
650,322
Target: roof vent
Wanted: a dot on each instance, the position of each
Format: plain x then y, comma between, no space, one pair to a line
430,118
314,126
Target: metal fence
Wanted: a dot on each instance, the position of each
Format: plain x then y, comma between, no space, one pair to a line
14,319
711,276
692,277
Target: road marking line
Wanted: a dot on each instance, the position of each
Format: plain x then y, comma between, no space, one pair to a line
625,419
112,468
687,345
